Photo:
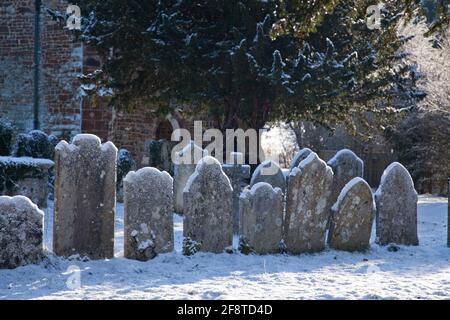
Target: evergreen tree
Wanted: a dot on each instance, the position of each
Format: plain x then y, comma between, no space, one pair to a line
246,63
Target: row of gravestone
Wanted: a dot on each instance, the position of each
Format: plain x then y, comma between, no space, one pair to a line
84,209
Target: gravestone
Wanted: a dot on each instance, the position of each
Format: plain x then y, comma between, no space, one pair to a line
208,204
352,218
270,172
184,167
307,214
261,215
396,203
148,201
21,232
26,176
346,165
299,157
239,175
85,197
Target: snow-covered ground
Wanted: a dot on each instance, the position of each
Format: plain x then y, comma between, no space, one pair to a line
421,272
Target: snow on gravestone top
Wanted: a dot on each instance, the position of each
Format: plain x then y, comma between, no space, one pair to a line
208,208
396,203
299,157
85,195
261,213
20,232
270,172
309,187
148,213
27,161
184,165
352,218
190,154
207,168
346,165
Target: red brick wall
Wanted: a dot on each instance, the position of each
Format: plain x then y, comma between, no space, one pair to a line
61,64
60,112
16,61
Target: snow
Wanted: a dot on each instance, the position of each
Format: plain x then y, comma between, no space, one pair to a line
26,161
343,152
259,185
346,189
386,173
420,272
148,173
205,163
20,202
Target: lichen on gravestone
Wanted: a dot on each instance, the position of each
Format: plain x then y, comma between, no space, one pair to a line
21,232
148,214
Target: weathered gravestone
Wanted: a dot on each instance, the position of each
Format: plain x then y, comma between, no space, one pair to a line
396,203
21,232
307,214
148,213
270,172
299,157
184,166
239,175
346,165
27,177
208,204
352,218
85,197
261,216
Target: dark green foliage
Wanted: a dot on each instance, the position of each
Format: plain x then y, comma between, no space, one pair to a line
422,144
240,64
11,172
190,246
244,246
125,164
36,144
6,137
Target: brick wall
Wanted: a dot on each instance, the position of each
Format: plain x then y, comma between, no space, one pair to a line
60,62
16,62
62,111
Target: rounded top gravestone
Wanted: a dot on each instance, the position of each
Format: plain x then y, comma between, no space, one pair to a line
307,214
261,211
270,172
396,201
20,232
208,209
299,157
351,223
346,165
148,213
